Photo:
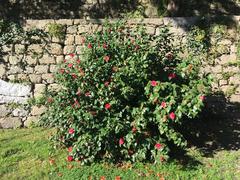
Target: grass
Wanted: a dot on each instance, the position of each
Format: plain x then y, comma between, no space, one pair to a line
28,154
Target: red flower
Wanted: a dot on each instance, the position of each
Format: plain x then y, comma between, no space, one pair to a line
105,46
70,65
158,146
78,93
162,159
51,161
171,76
89,46
71,131
70,149
106,83
64,60
107,106
78,61
172,116
50,100
163,104
83,41
202,98
70,158
61,71
106,58
121,141
71,55
154,83
102,178
87,94
134,129
74,75
118,178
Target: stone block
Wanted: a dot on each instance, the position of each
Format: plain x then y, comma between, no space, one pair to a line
223,82
55,49
19,48
72,29
47,60
79,49
79,39
69,40
23,77
3,111
2,70
82,29
39,89
59,59
35,48
28,70
54,87
235,98
48,78
224,59
19,112
65,22
40,69
14,60
30,60
53,68
69,49
11,99
38,110
35,78
10,122
32,120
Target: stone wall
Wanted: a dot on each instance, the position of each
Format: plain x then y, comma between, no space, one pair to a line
26,70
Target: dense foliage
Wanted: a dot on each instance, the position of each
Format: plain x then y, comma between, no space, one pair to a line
125,97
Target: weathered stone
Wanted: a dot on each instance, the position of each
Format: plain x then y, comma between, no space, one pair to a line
59,59
14,60
47,60
48,78
12,77
231,69
28,70
38,110
11,89
54,87
151,11
65,21
233,49
223,82
69,49
72,29
39,89
19,112
2,70
30,60
225,42
32,120
53,68
150,30
217,69
83,29
4,59
19,48
234,98
40,69
3,111
69,40
79,39
57,40
234,80
224,59
15,70
11,99
23,77
35,48
79,49
35,78
55,48
7,48
10,122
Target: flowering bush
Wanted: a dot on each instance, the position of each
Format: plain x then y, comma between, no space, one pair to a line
123,99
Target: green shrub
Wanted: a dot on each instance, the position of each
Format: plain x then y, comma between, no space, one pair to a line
56,30
125,97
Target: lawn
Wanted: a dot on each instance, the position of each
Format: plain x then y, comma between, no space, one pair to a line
29,154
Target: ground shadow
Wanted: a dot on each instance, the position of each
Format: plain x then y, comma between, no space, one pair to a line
217,128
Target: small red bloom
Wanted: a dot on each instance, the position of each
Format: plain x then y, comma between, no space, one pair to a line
71,131
51,161
74,75
102,178
106,83
64,60
162,159
50,100
172,116
70,65
171,76
202,98
70,149
89,46
70,158
154,83
87,94
158,146
107,106
78,61
83,41
118,178
163,104
71,55
61,71
78,93
169,56
106,58
134,129
105,46
121,141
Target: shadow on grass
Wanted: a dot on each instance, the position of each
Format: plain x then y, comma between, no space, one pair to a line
217,128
